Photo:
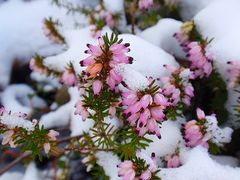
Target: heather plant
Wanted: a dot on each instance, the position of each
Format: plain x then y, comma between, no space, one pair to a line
107,111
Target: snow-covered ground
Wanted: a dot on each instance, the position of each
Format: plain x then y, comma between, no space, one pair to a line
21,36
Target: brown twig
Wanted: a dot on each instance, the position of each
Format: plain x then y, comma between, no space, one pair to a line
14,163
87,149
66,139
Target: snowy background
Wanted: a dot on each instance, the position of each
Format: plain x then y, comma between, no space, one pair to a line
21,37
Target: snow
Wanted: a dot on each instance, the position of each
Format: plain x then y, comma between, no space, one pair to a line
114,6
151,49
134,80
225,34
78,126
109,162
16,98
62,115
21,32
49,83
189,8
163,36
148,58
219,135
13,120
197,165
170,140
32,173
226,160
11,175
77,41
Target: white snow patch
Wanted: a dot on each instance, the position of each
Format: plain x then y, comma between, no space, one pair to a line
189,8
32,173
21,31
11,175
109,162
197,165
170,140
16,98
161,35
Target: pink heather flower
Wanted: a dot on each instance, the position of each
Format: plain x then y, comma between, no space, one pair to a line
234,74
177,87
200,62
144,111
145,4
109,20
69,78
152,168
173,161
106,59
34,67
81,110
189,90
160,99
112,111
195,131
52,135
127,170
2,110
183,40
200,114
97,86
146,100
146,175
193,134
46,147
7,138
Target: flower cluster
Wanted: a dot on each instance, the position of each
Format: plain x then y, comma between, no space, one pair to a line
102,60
81,109
18,131
50,30
130,170
37,65
127,170
201,62
101,78
145,109
99,17
173,160
145,4
177,87
205,131
69,77
234,73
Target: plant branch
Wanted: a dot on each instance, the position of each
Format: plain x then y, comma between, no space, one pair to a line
15,162
28,154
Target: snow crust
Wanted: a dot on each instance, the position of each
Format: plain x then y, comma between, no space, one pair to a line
189,8
198,165
170,139
17,99
109,162
163,36
21,32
